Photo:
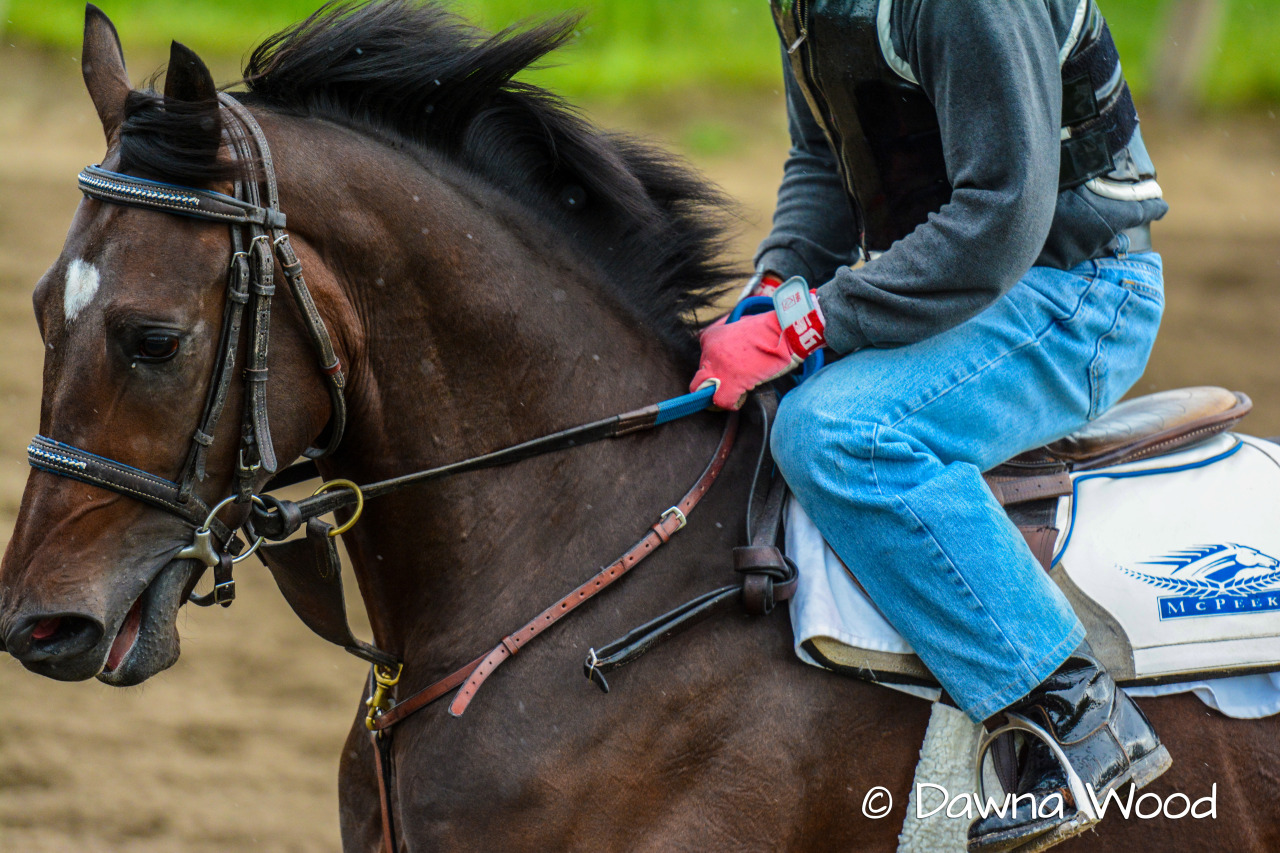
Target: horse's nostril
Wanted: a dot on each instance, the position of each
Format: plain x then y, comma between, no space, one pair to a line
46,628
62,636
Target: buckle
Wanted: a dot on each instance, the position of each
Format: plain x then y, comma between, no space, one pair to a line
591,670
224,593
247,468
676,512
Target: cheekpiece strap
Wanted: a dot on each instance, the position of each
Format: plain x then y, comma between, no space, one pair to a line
116,188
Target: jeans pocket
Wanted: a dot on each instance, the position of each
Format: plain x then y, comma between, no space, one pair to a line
1047,297
1122,352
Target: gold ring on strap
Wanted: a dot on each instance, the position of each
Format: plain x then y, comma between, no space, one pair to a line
344,484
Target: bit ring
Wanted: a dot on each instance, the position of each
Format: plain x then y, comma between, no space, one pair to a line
347,484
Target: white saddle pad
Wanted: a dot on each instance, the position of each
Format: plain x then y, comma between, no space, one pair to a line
1175,552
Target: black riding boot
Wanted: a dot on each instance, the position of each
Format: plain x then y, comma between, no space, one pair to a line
1105,739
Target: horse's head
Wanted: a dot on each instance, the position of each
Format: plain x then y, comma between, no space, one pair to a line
1253,558
131,315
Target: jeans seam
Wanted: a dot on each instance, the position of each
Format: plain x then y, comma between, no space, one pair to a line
1090,280
875,444
1095,392
1142,289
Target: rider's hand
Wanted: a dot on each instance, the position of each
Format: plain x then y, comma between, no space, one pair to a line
739,356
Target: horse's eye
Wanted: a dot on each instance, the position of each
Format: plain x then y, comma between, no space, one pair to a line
157,346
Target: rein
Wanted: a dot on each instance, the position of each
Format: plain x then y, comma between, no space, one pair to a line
277,519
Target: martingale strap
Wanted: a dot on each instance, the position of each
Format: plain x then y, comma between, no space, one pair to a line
474,674
768,576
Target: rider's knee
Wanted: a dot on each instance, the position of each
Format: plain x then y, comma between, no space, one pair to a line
811,438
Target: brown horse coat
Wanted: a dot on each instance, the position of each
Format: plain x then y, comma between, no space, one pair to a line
472,316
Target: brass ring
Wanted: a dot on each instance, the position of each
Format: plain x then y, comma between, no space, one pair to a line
346,484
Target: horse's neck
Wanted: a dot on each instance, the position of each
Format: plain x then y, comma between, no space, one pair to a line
477,332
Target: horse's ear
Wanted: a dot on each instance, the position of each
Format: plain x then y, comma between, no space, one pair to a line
188,78
102,63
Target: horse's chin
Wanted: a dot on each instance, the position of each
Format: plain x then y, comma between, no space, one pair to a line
146,641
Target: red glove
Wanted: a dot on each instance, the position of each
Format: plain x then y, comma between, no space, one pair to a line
739,356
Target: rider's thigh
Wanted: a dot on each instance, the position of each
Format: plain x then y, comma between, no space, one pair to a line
1032,367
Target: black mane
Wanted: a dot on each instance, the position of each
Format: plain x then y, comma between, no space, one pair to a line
414,73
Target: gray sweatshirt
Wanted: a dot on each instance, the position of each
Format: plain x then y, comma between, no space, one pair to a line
990,68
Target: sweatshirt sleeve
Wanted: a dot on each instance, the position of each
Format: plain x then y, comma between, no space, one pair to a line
991,71
813,230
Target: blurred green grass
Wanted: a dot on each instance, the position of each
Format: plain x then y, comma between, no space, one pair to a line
644,48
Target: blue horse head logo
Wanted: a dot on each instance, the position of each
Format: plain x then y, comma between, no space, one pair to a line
1206,571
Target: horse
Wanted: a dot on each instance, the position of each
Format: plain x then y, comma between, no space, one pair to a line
491,269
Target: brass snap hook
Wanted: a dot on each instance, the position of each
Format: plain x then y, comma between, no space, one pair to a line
384,678
344,484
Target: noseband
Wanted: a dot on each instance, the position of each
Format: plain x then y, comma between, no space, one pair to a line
258,241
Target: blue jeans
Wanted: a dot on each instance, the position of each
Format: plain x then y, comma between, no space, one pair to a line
885,451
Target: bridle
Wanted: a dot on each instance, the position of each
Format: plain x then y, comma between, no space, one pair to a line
258,241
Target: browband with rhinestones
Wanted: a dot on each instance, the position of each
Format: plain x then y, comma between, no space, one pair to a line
105,185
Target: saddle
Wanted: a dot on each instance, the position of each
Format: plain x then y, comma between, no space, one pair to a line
1142,428
1135,557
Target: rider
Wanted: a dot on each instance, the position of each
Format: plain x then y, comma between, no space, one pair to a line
984,162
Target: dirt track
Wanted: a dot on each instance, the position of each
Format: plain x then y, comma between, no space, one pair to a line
199,759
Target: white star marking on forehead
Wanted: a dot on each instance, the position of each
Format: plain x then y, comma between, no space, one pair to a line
82,285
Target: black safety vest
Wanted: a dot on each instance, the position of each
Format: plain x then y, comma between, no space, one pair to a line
885,133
